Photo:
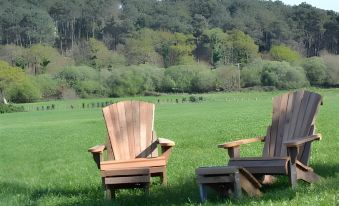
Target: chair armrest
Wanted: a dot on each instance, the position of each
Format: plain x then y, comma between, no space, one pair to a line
165,142
166,147
293,146
240,142
97,153
300,141
97,149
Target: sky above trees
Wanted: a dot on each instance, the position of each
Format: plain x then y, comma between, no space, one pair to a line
322,4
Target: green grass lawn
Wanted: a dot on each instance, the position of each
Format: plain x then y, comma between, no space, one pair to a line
44,158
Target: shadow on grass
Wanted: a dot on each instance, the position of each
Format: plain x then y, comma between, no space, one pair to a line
325,170
183,192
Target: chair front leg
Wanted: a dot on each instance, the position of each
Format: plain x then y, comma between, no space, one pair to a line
292,165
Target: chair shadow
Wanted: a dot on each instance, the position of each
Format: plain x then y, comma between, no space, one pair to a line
325,170
183,192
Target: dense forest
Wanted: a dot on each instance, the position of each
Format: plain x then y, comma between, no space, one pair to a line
85,48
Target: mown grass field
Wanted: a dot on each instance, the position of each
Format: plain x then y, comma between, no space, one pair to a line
44,158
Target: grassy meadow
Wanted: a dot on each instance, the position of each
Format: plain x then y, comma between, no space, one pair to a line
44,158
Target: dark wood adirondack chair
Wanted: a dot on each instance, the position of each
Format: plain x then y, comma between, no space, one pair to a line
131,143
287,142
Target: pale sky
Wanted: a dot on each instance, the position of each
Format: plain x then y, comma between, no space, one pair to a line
322,4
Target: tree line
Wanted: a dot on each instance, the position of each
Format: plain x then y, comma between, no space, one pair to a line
81,48
64,23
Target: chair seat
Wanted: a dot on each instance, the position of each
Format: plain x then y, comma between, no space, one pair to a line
262,165
133,163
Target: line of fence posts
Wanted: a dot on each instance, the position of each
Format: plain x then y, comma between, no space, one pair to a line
92,105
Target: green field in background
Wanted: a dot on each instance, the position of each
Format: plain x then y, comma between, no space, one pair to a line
44,158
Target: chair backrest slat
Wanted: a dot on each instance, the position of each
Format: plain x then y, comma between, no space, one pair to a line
129,125
293,117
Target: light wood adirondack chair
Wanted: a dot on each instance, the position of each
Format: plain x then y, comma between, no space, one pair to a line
131,142
287,142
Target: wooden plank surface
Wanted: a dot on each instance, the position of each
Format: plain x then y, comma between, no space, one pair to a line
125,172
124,180
214,179
123,138
112,129
143,125
130,128
139,162
288,122
281,125
275,124
297,97
136,130
216,170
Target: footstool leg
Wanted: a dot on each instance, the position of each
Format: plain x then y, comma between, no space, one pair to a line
146,188
237,185
202,192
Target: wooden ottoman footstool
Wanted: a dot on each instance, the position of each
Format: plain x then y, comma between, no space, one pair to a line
225,179
125,178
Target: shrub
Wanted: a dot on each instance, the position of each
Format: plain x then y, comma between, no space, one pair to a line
227,78
251,74
184,75
193,99
9,108
90,88
283,76
284,53
332,62
48,86
84,80
24,92
315,69
135,80
14,54
16,86
203,81
42,57
75,74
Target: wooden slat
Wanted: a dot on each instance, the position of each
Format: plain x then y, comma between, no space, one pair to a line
214,179
130,128
306,127
216,170
300,130
302,111
135,163
281,125
274,126
149,123
125,180
258,163
112,129
250,177
288,121
136,131
266,150
247,185
307,149
123,138
143,125
125,172
297,98
271,170
240,142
